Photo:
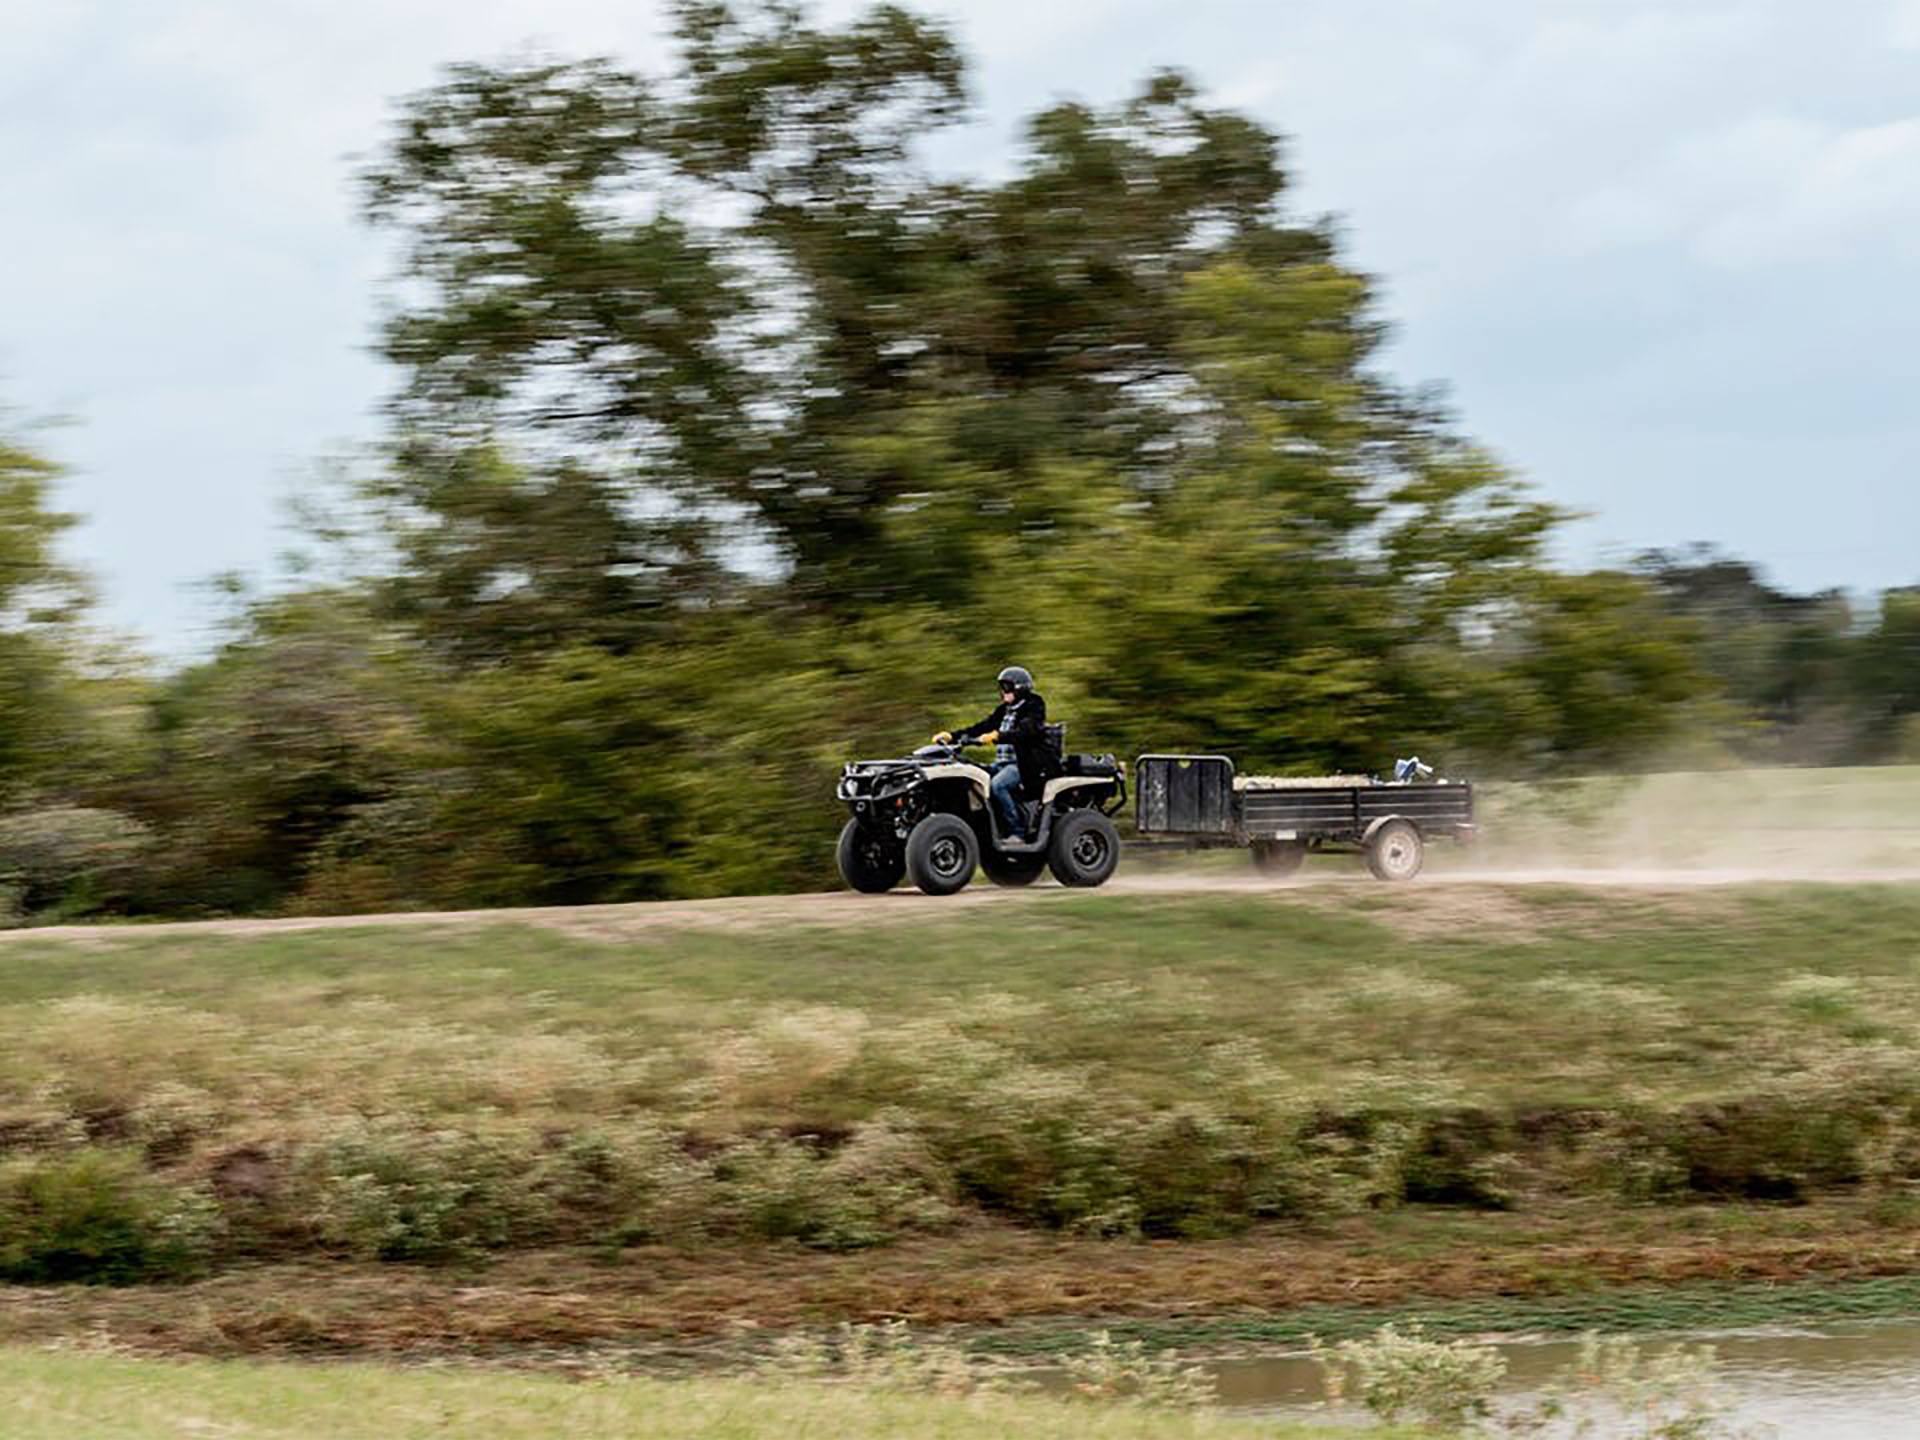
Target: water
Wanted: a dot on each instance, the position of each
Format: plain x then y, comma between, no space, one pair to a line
1848,1380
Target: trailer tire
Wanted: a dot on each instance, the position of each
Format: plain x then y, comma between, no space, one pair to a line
942,853
1085,849
868,864
1395,851
1277,859
1012,871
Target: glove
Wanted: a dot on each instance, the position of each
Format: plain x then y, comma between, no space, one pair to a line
943,737
990,737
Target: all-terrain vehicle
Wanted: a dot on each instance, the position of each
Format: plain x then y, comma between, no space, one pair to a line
929,817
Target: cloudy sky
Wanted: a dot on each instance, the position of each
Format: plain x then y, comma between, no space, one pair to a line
1662,252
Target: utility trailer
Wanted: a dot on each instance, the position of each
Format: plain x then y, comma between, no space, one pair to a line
1198,801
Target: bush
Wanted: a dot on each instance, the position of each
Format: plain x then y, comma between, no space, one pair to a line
73,858
94,1216
881,1182
622,1187
1447,1385
384,1193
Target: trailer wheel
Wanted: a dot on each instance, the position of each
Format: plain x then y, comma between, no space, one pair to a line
1277,859
1085,849
1012,871
869,862
1395,852
941,854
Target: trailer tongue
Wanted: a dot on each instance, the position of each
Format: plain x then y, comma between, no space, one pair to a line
1198,801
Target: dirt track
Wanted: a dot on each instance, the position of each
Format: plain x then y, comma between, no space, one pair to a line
841,907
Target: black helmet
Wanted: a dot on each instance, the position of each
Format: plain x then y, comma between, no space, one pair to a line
1016,679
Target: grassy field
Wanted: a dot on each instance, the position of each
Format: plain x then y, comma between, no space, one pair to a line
491,1137
56,1396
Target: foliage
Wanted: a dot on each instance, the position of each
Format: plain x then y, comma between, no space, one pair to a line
1614,1388
1447,1384
40,597
74,857
97,1217
439,1094
1802,679
883,1358
1110,1370
1618,1388
729,444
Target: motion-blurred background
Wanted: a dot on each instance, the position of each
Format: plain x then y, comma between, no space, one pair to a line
740,424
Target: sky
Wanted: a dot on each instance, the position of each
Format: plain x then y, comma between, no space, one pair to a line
1662,254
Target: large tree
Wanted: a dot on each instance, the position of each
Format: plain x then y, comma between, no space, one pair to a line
39,595
730,439
719,292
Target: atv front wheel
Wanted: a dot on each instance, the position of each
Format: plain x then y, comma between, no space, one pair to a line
942,853
869,861
1085,849
1012,871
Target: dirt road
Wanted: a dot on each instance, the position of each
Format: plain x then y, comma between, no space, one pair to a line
903,905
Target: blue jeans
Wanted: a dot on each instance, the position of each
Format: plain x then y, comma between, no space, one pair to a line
1006,780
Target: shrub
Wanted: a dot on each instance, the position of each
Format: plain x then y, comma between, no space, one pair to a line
885,1357
881,1182
94,1216
1123,1371
385,1193
72,858
1617,1388
1445,1384
1767,1147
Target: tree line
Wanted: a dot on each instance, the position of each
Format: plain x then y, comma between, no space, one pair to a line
730,443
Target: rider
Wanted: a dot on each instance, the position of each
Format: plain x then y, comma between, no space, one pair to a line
1020,720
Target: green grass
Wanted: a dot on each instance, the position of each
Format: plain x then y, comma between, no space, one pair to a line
1504,992
1173,1065
59,1395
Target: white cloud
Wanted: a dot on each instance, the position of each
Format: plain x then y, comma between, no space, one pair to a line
1903,26
1766,190
1842,195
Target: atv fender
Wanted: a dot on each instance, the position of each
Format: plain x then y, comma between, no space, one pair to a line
1065,783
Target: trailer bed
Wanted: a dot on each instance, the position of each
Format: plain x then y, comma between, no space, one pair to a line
1200,800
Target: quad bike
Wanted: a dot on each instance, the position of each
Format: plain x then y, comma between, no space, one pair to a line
929,817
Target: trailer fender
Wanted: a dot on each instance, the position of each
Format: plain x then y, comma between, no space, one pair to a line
1374,827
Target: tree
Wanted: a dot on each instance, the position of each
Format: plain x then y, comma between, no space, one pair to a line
39,598
725,294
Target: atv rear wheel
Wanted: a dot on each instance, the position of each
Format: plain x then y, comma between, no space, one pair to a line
1395,852
1012,871
1277,859
942,852
1085,849
870,862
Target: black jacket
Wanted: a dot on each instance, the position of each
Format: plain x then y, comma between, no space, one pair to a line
1023,725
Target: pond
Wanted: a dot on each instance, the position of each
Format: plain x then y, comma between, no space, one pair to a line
1845,1380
